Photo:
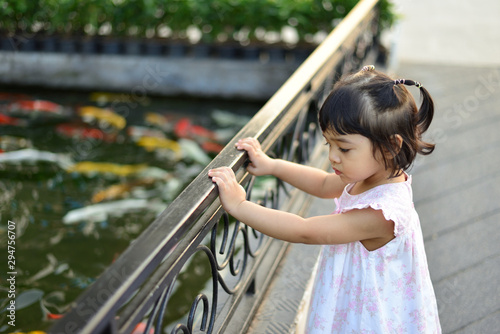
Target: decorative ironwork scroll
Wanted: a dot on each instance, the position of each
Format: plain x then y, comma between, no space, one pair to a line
232,263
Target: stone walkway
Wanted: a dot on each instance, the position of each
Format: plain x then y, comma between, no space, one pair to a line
457,194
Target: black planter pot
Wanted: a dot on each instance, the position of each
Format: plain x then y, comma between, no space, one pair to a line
88,46
227,51
48,44
251,53
153,49
276,55
132,47
110,47
176,50
27,45
68,45
6,44
201,50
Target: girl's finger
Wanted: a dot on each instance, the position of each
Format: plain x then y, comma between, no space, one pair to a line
248,142
223,173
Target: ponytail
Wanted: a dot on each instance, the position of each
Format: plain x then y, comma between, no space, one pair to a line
424,115
424,119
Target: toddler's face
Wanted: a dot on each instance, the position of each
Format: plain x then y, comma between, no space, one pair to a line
351,157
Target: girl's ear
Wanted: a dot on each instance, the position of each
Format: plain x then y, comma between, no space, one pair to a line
396,145
397,142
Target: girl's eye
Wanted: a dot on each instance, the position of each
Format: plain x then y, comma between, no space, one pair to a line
327,143
343,150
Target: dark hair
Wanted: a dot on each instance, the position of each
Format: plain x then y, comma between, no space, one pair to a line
371,104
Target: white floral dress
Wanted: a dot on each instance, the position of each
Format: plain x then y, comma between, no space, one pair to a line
387,290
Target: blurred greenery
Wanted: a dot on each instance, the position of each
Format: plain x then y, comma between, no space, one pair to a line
244,21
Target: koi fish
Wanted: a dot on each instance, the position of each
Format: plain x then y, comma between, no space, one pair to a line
152,143
27,298
44,303
225,118
8,120
83,131
90,167
11,143
13,96
27,106
38,111
191,150
137,132
101,211
119,190
185,129
106,97
141,327
158,120
53,316
102,116
211,147
32,155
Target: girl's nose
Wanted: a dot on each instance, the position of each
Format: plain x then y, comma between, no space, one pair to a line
334,157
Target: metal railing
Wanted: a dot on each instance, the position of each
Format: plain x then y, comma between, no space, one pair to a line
133,294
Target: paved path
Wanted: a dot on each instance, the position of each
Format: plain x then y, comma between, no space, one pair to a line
457,188
457,194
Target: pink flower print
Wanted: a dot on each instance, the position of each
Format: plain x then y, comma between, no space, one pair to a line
410,278
372,308
398,284
410,292
356,305
339,281
380,267
356,261
418,318
408,246
322,299
339,320
318,322
339,249
367,331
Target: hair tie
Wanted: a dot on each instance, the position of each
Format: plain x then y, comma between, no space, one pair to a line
368,68
407,82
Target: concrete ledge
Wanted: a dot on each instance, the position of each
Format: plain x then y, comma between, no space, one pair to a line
139,75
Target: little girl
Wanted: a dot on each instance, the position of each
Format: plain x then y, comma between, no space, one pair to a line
372,274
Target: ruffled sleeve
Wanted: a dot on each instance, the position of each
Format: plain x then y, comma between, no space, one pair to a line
394,200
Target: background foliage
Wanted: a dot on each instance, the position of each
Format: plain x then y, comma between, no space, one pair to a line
243,21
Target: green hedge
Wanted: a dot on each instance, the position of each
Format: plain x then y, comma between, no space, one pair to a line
239,20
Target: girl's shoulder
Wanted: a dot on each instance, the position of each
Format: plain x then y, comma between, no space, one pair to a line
395,200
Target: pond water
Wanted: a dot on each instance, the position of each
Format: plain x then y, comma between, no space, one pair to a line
78,184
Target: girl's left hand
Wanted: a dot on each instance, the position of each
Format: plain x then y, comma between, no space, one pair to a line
231,193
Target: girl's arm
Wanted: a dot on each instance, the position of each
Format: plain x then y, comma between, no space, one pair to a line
364,224
312,180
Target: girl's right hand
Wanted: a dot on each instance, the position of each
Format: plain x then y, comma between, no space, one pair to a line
260,163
